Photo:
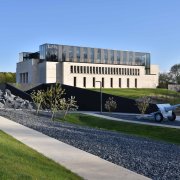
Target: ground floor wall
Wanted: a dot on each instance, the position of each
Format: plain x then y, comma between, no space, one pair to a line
88,75
116,76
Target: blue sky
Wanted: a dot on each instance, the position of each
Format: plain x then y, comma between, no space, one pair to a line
138,25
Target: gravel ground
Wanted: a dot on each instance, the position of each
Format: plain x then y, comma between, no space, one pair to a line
154,159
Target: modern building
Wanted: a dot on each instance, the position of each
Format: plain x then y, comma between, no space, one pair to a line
84,66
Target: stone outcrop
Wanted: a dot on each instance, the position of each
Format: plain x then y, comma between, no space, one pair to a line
8,100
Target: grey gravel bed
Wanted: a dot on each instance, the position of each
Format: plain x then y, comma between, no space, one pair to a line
154,159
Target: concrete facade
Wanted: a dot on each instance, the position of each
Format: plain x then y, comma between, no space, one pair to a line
82,67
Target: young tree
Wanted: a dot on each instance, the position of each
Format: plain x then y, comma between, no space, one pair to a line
68,105
38,99
164,80
110,104
53,98
143,104
175,71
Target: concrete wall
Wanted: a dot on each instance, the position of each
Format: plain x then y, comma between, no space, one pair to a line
51,72
143,81
30,67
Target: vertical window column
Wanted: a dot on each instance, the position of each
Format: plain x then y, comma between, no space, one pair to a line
20,77
127,82
26,77
120,82
136,83
94,81
103,82
84,81
111,82
75,81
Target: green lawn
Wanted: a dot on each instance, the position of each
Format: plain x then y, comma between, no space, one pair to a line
158,133
18,161
159,94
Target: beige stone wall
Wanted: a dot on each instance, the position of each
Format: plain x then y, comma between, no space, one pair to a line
143,81
30,67
51,72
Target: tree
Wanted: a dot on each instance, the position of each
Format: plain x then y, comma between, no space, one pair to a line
110,104
143,103
53,98
164,80
175,72
38,99
7,77
69,104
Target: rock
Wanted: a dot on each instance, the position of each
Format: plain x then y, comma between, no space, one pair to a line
8,100
1,105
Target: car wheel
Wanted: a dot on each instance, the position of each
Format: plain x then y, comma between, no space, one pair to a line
158,117
173,117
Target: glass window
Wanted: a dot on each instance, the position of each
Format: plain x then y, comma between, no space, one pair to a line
88,69
106,56
102,82
74,81
120,71
130,58
118,57
102,70
63,53
112,57
109,71
94,81
81,69
77,69
78,54
74,69
98,56
84,81
84,69
119,82
135,83
127,71
106,70
138,72
124,57
85,54
71,51
127,82
94,70
116,70
92,55
99,70
71,69
111,82
52,52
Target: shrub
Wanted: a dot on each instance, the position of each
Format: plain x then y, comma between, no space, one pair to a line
69,104
53,98
143,103
38,99
110,104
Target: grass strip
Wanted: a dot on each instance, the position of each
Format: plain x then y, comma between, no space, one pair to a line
171,135
17,161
